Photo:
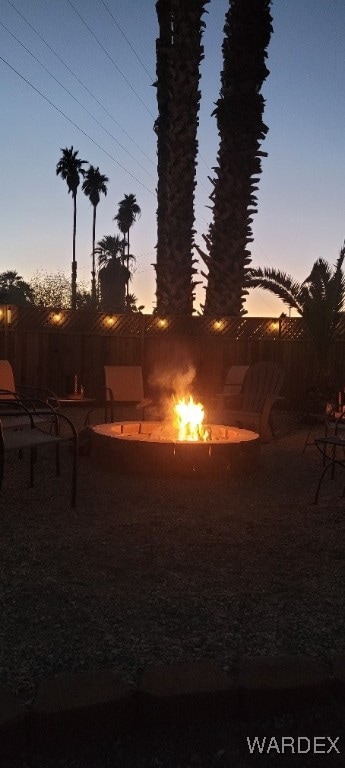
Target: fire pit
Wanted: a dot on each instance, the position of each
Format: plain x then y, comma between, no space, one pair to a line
147,447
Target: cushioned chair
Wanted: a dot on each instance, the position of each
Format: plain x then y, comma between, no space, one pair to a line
261,389
124,387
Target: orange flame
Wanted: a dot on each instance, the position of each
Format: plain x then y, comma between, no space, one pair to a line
189,417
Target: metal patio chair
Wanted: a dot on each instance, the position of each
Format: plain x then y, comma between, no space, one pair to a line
20,431
38,400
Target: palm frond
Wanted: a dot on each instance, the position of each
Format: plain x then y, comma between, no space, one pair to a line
280,283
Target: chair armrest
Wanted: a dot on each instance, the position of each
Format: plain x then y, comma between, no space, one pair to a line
108,394
269,402
38,393
225,401
108,403
15,400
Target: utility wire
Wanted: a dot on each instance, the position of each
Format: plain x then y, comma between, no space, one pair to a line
201,184
76,100
110,58
80,82
200,155
75,125
128,41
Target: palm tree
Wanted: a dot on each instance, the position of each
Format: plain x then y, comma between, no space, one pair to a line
318,299
93,185
241,129
131,304
179,53
113,274
109,248
14,290
70,169
128,211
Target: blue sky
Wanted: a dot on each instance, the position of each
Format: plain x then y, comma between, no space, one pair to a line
301,193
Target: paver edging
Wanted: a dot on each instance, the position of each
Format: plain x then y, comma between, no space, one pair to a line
100,701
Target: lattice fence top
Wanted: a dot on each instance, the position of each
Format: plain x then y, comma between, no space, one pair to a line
90,322
82,321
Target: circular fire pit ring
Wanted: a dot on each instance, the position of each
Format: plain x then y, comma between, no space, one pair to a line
145,447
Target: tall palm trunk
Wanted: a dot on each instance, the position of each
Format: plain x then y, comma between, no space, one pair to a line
93,271
74,263
127,264
239,113
179,53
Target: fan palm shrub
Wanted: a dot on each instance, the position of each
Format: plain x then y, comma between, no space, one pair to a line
319,299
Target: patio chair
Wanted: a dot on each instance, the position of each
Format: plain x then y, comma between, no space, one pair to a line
261,387
39,401
124,387
233,386
31,393
21,432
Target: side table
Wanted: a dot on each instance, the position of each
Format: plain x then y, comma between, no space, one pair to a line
85,404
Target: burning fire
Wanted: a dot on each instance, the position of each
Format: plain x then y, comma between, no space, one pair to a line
188,418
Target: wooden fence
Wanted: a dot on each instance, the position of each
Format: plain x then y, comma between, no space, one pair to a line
48,347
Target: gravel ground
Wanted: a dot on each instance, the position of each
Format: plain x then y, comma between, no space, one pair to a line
162,570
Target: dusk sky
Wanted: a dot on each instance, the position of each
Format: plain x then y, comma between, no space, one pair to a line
301,210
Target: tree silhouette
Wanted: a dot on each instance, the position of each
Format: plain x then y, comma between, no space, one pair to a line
94,185
128,211
113,275
241,129
14,290
179,53
318,299
70,169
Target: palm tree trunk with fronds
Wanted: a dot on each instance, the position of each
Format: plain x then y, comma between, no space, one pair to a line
93,272
239,113
179,53
127,264
74,263
163,57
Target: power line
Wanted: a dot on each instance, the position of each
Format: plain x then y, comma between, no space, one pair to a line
80,82
201,184
110,58
76,100
128,41
200,155
75,125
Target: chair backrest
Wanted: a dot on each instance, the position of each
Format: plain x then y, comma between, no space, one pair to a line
234,380
6,378
125,382
262,380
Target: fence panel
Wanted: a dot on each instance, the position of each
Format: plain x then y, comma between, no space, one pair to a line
48,348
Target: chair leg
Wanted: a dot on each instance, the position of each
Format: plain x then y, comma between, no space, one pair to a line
331,466
2,462
333,461
33,459
307,441
74,471
320,482
57,460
